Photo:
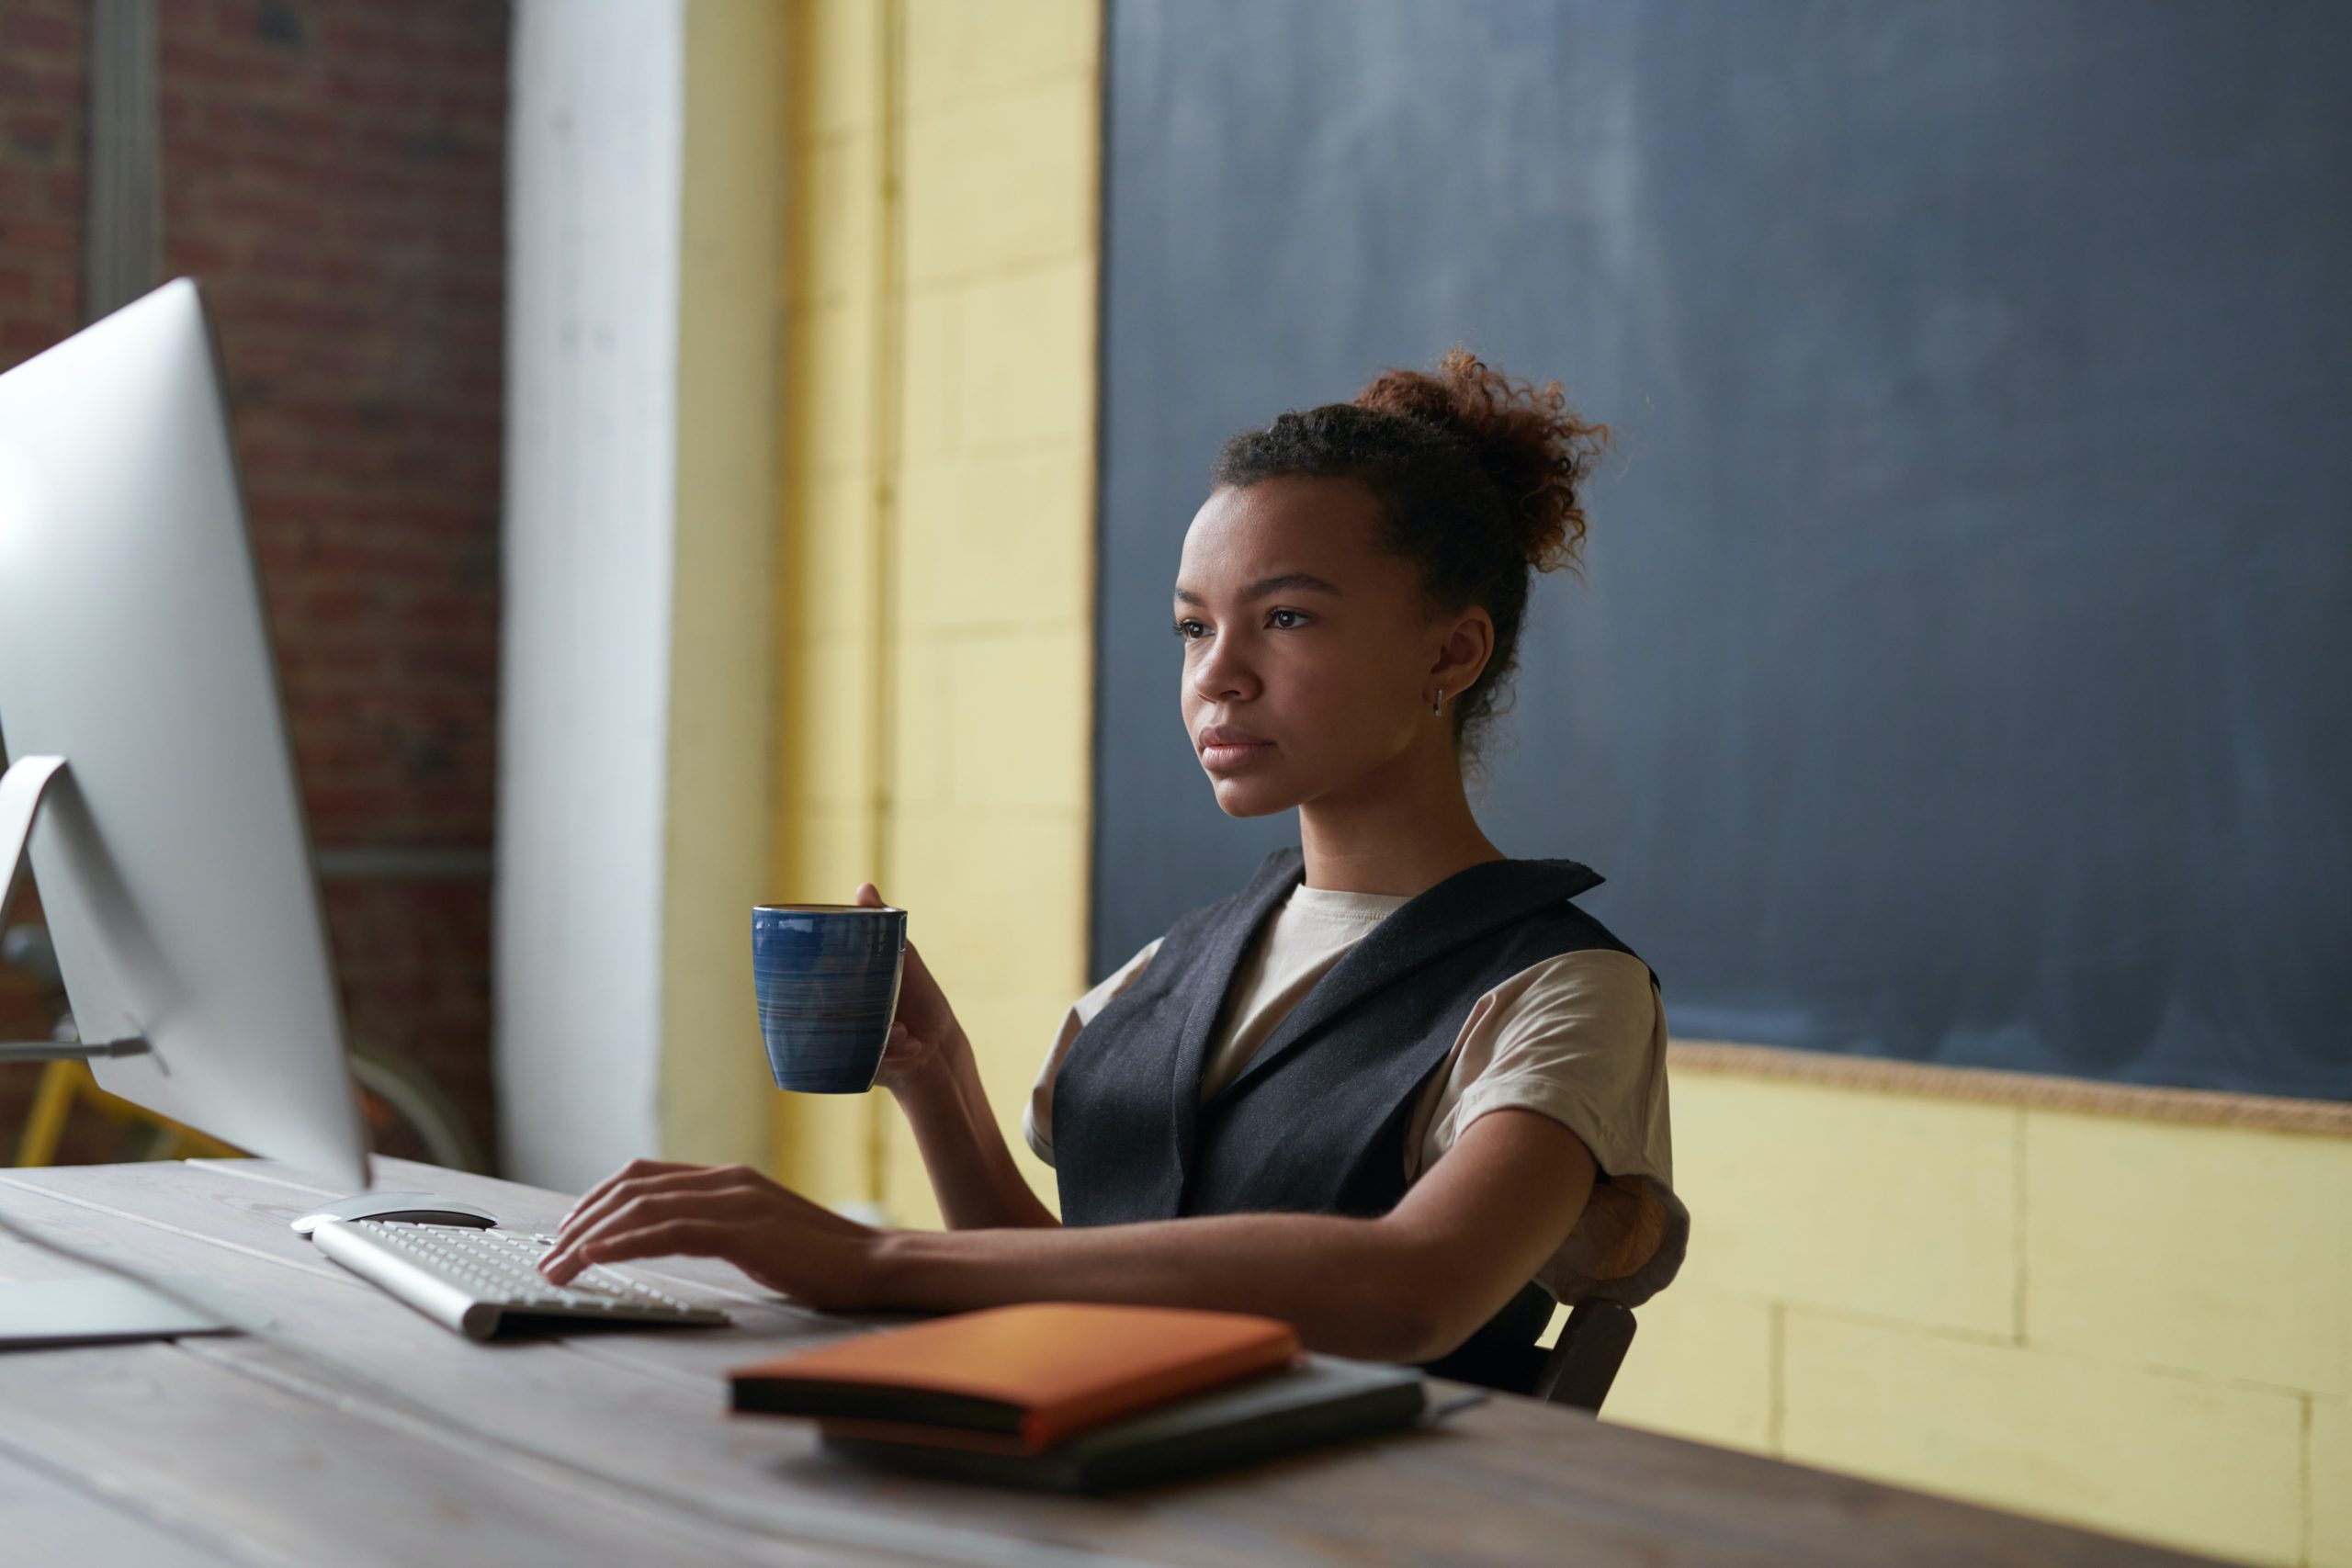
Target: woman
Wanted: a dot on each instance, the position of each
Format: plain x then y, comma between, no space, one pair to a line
1398,1091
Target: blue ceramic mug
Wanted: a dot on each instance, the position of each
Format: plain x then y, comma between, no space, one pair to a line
827,979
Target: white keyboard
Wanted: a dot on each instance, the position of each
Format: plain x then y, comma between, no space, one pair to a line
471,1279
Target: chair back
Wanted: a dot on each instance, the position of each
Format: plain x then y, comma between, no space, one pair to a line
1584,1360
1575,1370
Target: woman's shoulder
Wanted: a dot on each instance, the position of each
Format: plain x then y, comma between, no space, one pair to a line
1099,994
1595,985
1580,1035
1573,929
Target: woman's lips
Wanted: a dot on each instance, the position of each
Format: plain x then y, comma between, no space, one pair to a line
1223,756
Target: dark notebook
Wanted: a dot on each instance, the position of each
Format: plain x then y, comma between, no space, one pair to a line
1324,1399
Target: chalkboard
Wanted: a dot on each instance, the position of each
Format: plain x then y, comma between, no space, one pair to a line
1962,671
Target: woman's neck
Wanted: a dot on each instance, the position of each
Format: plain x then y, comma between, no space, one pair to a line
1401,832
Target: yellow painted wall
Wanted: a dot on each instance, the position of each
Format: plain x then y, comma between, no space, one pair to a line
2140,1327
937,576
720,745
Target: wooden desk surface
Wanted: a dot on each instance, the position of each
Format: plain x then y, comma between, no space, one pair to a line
232,1450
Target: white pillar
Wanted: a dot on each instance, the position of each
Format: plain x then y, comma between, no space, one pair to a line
628,643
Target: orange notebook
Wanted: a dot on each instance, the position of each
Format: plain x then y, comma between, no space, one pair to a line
1014,1379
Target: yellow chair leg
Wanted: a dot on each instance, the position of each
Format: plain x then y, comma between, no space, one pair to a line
53,1102
64,1084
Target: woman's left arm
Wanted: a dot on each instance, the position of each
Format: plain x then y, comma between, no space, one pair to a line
1409,1286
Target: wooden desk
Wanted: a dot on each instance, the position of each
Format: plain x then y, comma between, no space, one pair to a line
233,1450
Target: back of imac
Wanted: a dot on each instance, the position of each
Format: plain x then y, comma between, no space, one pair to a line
171,856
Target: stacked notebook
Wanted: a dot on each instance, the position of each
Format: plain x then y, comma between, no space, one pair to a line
1078,1397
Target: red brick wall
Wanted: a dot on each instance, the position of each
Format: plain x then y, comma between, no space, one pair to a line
43,46
333,173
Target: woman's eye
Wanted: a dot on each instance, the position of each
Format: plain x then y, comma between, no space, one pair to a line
1297,619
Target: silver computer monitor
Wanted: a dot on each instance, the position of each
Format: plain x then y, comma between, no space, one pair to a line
171,850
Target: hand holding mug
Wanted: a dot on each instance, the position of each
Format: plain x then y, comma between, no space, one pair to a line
925,1036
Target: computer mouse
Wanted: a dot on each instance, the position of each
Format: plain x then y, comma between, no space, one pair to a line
419,1208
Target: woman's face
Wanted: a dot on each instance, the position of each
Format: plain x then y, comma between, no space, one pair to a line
1297,632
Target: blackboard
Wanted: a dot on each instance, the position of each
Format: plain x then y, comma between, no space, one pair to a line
1961,672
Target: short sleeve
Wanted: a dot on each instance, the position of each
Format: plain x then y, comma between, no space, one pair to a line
1580,1038
1038,1116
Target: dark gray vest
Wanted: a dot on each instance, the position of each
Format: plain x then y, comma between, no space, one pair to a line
1317,1120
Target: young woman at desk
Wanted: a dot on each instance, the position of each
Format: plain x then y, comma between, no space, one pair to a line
1433,1100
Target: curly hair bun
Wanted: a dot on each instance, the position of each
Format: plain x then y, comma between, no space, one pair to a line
1526,439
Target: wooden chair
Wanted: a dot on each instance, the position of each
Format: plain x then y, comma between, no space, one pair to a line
1575,1370
1628,1226
1583,1363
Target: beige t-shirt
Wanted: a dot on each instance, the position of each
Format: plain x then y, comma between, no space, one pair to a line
1580,1037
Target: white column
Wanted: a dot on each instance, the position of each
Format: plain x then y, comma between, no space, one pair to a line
591,344
635,722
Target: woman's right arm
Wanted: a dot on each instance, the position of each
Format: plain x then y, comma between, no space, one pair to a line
929,1067
971,1168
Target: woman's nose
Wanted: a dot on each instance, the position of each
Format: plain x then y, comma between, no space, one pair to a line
1222,672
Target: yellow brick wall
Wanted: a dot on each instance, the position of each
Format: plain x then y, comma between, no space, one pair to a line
2140,1327
937,576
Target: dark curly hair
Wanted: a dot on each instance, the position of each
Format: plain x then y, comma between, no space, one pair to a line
1477,476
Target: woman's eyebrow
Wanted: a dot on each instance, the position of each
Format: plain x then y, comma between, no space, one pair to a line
1265,585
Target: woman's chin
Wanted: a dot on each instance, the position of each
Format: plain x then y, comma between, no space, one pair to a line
1250,797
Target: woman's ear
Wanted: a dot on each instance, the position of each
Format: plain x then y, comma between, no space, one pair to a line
1462,657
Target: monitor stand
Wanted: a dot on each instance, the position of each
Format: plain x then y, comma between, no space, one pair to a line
88,1308
21,789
